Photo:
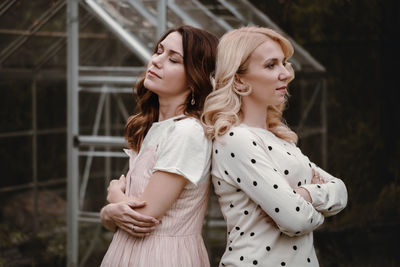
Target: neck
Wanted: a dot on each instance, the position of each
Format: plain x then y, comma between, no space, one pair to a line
170,107
254,114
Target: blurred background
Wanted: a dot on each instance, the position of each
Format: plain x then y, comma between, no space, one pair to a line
344,107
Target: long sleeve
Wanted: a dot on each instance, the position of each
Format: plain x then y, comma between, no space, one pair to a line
242,161
329,198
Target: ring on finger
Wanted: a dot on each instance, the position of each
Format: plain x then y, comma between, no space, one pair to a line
133,228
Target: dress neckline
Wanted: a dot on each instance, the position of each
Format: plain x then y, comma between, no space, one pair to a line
262,130
169,119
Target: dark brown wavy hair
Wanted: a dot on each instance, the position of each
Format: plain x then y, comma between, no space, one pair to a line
199,52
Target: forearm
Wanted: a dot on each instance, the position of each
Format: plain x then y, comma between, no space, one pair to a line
160,193
106,220
330,196
120,197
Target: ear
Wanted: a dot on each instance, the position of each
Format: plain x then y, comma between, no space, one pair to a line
239,80
240,86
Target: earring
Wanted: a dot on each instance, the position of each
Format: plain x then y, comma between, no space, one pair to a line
192,102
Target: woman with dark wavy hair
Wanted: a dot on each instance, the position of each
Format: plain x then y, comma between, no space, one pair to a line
169,167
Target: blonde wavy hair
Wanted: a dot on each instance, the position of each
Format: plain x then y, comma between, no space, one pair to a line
223,106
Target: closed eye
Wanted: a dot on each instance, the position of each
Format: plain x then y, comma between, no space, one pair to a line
270,66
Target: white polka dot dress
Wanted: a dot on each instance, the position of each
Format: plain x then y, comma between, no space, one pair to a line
255,171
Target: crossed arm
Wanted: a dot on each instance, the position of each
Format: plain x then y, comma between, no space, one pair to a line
140,216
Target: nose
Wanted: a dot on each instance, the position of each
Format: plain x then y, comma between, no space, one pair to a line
285,74
156,60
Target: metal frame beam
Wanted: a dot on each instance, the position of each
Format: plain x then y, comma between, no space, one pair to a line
5,6
72,132
13,46
162,17
128,39
59,44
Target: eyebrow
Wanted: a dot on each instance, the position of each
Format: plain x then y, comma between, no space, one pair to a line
171,51
274,59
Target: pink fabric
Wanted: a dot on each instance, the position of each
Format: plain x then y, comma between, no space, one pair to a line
177,241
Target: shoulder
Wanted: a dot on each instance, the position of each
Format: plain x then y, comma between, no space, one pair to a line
237,136
188,123
188,127
185,131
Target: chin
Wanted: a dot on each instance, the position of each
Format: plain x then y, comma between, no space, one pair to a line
150,85
146,83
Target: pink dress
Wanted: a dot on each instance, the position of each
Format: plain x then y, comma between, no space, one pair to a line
176,146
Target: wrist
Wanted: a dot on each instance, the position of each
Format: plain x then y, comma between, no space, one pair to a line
104,216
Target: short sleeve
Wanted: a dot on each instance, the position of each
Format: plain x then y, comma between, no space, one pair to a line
240,159
328,198
184,150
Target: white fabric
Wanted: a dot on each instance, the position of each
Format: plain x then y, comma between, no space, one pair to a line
177,241
254,171
181,148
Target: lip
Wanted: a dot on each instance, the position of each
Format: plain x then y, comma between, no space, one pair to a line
282,89
152,73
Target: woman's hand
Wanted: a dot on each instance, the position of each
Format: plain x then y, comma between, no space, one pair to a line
123,216
303,193
316,178
116,190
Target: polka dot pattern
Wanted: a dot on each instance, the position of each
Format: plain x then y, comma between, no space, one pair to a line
256,164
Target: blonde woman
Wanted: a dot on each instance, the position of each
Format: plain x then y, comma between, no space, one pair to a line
257,168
